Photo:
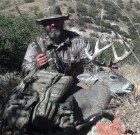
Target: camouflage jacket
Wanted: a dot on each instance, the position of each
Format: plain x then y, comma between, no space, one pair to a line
70,51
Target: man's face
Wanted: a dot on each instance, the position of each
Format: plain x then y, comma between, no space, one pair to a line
53,27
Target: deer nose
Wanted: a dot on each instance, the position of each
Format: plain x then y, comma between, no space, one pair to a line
131,87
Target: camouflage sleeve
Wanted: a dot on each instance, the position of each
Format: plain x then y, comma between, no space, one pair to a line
29,61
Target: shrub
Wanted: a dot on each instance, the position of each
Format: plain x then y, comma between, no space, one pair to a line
92,41
123,33
86,20
82,29
115,28
92,12
34,9
79,22
51,2
71,10
5,4
107,25
81,9
125,19
29,1
97,21
132,32
14,38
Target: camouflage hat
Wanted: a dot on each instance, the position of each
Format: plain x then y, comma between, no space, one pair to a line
52,12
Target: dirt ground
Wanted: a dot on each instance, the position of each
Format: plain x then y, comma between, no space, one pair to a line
128,110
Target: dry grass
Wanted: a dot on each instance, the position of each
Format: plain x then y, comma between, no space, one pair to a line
131,72
41,4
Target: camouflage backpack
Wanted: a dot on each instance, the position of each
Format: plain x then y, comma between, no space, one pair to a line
35,101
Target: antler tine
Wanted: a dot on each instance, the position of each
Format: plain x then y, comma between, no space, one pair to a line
92,57
117,58
97,51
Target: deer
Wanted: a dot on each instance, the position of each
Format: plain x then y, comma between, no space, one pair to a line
100,86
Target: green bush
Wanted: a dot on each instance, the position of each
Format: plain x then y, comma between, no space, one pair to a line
97,21
108,54
82,29
71,10
92,41
14,38
79,22
132,32
137,5
86,20
123,33
103,29
92,11
51,2
106,25
115,28
29,1
125,19
81,9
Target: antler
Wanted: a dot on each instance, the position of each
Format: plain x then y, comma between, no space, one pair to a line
125,55
97,51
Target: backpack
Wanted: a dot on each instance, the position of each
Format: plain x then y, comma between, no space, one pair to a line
35,102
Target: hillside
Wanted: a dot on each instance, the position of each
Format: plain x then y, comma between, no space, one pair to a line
122,17
85,14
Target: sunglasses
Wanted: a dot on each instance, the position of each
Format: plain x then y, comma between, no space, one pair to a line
52,21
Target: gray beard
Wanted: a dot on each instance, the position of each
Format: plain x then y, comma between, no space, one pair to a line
54,34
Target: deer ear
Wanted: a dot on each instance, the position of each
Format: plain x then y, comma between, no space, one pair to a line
83,85
83,77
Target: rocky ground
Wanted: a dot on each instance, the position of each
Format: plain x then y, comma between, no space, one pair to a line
129,113
126,115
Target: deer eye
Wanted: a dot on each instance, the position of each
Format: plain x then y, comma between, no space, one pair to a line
113,77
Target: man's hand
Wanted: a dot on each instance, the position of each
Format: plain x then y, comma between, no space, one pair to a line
41,60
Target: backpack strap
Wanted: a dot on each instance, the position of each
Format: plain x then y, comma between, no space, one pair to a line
60,63
32,100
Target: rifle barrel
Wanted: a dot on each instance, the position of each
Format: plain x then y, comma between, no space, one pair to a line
25,22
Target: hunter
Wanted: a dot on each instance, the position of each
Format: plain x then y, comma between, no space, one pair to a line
65,47
64,52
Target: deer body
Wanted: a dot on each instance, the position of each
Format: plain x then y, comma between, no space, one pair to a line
95,99
103,84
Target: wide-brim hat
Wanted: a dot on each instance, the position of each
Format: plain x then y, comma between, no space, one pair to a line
51,12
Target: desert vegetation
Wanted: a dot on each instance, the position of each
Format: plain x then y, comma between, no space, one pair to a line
85,16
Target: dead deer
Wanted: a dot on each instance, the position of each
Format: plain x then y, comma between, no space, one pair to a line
100,85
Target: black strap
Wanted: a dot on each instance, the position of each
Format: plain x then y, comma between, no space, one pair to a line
60,63
68,55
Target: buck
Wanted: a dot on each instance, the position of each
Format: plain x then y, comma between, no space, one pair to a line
100,86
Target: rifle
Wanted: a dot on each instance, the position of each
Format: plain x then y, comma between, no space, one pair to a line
37,47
